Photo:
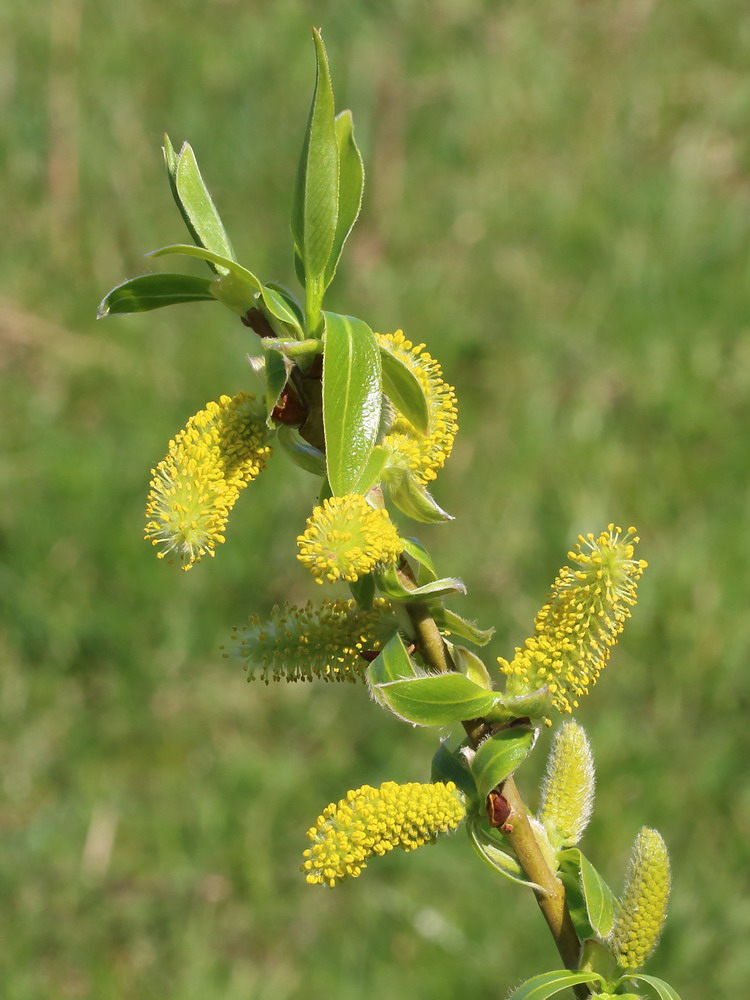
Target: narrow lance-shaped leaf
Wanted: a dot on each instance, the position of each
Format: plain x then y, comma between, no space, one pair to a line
195,203
315,208
662,989
413,499
351,399
152,291
351,186
223,263
600,900
582,879
402,387
389,584
549,984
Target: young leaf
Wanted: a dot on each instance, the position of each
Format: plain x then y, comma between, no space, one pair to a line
471,666
663,990
500,755
280,306
412,499
351,399
549,984
351,185
277,372
195,204
363,591
402,387
301,452
450,766
315,208
371,472
393,663
489,851
599,898
225,265
569,873
389,584
535,704
414,548
435,699
463,629
152,291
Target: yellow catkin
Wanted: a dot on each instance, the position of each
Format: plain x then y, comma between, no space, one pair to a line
193,490
422,454
643,908
373,821
345,538
581,621
568,787
327,642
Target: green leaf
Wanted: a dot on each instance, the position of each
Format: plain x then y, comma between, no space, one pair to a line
462,628
414,548
392,663
315,208
500,755
301,452
435,699
534,704
234,293
403,388
549,984
663,990
351,399
363,591
471,666
371,472
281,307
389,583
488,850
277,373
599,898
450,766
413,499
195,204
152,291
570,875
289,299
226,264
351,185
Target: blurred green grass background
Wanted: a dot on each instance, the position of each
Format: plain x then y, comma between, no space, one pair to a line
558,202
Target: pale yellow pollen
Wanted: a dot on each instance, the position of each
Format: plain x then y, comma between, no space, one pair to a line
345,538
582,620
373,821
219,451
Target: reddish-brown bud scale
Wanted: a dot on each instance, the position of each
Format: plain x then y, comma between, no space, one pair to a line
498,810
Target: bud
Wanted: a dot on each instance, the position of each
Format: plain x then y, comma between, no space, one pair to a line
643,908
346,538
567,796
219,451
297,644
373,821
409,449
581,621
